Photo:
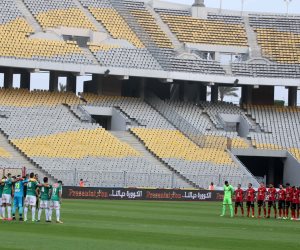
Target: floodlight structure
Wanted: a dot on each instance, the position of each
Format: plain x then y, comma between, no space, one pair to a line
287,5
220,9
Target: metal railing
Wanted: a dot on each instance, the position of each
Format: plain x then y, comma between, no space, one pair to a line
149,180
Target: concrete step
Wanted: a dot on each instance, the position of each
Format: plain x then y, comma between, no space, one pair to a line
255,49
91,18
28,16
88,54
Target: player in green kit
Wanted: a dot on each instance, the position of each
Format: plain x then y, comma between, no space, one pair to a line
44,193
31,194
228,193
55,201
1,192
6,197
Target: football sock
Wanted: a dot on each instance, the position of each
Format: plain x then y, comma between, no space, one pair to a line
47,214
265,212
25,213
8,211
242,211
287,213
14,210
259,211
58,215
297,213
3,212
223,209
33,213
280,212
269,211
253,211
20,211
248,211
235,210
275,211
40,213
50,214
231,210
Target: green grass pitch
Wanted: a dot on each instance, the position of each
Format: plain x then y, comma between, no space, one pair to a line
149,225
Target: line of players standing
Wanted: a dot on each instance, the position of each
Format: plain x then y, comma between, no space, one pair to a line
288,198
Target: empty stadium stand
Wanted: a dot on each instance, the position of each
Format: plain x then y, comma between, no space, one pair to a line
181,153
211,31
56,13
280,127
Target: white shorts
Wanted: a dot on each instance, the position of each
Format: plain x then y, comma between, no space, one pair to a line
44,204
30,200
54,205
6,198
0,201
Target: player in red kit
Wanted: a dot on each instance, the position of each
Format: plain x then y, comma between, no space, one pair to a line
261,195
281,202
272,200
239,196
288,201
295,203
298,210
250,196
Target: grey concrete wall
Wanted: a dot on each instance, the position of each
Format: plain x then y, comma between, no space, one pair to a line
118,121
291,172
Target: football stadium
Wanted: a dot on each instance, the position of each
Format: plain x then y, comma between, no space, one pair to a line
149,108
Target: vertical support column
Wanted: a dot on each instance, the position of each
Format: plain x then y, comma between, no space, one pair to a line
25,80
8,78
247,95
292,99
214,93
202,92
71,83
97,82
142,88
53,81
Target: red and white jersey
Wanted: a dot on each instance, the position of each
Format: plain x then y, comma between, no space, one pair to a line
261,193
272,194
281,195
239,195
289,193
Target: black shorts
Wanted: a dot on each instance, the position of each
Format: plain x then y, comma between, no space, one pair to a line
238,204
295,206
272,204
250,203
281,204
261,203
288,204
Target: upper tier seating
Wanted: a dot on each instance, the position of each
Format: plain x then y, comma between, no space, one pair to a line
57,13
276,70
280,127
205,31
117,27
8,11
279,37
148,23
15,42
124,57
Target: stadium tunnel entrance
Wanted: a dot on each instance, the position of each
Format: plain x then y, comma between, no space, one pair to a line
267,169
